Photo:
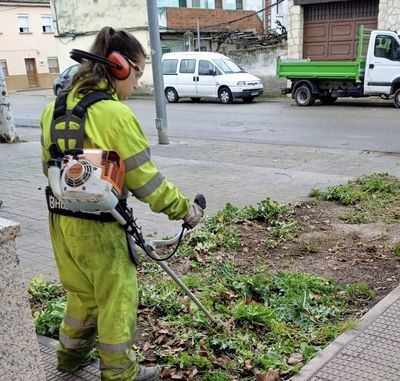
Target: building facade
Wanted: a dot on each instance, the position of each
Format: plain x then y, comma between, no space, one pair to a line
180,21
77,23
328,29
28,53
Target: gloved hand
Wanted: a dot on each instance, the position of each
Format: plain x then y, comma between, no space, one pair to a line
194,215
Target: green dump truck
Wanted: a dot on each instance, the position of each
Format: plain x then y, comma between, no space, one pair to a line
375,72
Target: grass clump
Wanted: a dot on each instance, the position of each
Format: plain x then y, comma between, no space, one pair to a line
268,317
48,303
373,198
222,230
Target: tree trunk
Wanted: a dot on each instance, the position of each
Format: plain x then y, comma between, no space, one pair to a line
8,133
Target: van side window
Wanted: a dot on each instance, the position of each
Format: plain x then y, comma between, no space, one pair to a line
169,66
187,66
206,68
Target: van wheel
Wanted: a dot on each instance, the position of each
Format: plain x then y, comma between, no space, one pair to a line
396,99
195,99
171,95
57,91
225,95
303,96
248,99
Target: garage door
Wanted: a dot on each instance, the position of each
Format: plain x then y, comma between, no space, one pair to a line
331,29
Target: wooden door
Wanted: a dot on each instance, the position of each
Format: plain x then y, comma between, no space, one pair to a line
331,29
31,71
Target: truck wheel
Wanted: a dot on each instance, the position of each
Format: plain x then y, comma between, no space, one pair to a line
327,99
303,96
396,98
171,95
225,95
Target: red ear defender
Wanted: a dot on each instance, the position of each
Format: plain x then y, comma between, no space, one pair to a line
122,68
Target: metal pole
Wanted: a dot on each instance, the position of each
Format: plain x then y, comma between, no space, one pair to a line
161,110
198,35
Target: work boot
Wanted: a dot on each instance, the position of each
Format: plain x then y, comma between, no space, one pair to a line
148,374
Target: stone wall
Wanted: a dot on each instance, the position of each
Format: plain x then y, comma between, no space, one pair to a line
389,15
20,358
295,30
262,64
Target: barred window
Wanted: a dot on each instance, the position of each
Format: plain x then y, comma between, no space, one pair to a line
52,62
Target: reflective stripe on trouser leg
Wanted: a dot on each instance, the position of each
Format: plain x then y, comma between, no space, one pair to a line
117,303
78,329
94,266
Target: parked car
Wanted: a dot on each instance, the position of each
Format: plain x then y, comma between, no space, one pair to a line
210,75
65,77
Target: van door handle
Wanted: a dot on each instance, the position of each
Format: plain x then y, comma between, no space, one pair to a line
371,66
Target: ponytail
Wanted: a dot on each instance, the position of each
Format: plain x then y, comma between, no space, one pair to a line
91,74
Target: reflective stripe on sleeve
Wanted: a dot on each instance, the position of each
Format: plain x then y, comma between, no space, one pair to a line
135,161
116,347
148,188
76,323
75,343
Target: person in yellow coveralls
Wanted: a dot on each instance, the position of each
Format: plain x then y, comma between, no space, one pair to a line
92,255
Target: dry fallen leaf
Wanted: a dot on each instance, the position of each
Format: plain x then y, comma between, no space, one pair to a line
295,358
272,375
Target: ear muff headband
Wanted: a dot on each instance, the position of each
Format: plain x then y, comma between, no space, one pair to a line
117,64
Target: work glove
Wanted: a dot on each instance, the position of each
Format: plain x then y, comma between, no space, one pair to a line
194,215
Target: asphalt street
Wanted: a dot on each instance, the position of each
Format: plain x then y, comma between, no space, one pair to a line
368,124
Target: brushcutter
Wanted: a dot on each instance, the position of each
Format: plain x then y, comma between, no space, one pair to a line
91,181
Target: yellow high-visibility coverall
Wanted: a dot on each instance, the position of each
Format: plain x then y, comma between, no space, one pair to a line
92,257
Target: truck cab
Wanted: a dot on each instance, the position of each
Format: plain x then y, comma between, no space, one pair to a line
382,68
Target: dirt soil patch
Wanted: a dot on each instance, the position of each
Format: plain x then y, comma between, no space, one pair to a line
325,245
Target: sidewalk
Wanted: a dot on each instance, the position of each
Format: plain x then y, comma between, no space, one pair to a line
240,173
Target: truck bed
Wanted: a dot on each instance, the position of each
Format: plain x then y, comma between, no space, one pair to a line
304,69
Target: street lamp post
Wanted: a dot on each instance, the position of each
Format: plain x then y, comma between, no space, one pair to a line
161,110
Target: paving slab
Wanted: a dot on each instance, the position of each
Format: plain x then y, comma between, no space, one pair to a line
371,352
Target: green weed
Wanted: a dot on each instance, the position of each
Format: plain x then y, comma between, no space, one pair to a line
47,322
375,198
41,290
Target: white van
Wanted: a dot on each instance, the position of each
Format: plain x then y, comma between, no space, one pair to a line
210,75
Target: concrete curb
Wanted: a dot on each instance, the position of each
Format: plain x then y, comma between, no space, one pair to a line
323,357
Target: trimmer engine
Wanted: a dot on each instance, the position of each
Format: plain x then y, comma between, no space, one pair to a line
89,180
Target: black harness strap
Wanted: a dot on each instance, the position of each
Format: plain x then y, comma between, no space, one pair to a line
73,132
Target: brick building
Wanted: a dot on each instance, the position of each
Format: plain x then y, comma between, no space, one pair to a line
179,20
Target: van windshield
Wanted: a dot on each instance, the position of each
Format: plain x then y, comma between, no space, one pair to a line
228,66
